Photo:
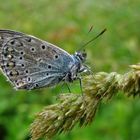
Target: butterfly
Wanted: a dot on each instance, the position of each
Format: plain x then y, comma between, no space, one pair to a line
31,63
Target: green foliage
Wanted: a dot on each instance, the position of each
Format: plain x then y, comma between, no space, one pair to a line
65,23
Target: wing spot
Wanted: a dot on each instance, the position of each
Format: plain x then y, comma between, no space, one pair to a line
29,39
26,71
32,49
49,66
10,64
20,84
21,44
10,49
40,60
36,85
13,73
21,52
28,79
10,56
21,58
17,83
22,65
12,42
56,56
43,47
5,54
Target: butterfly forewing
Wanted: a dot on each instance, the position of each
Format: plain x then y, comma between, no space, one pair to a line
29,62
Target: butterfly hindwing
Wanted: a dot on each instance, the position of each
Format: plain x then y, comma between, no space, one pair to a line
29,62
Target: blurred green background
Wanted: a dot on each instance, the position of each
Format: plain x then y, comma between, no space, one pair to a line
66,23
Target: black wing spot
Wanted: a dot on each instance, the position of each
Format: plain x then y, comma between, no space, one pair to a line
13,73
5,54
49,66
32,49
36,85
56,56
21,44
40,60
20,58
28,79
29,39
26,71
12,42
21,52
22,65
17,83
43,47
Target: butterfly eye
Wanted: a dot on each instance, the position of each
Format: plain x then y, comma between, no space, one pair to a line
47,74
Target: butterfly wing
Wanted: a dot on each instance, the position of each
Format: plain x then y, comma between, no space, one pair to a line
29,62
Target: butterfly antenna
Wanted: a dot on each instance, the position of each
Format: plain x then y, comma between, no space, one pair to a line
90,29
88,42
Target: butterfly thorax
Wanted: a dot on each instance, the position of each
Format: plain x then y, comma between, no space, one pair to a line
76,67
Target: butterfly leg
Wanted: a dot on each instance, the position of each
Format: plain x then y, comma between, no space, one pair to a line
61,91
86,69
68,87
90,72
80,82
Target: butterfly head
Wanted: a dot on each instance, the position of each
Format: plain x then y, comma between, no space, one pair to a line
81,55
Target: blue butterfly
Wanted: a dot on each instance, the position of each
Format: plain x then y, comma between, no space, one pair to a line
30,63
